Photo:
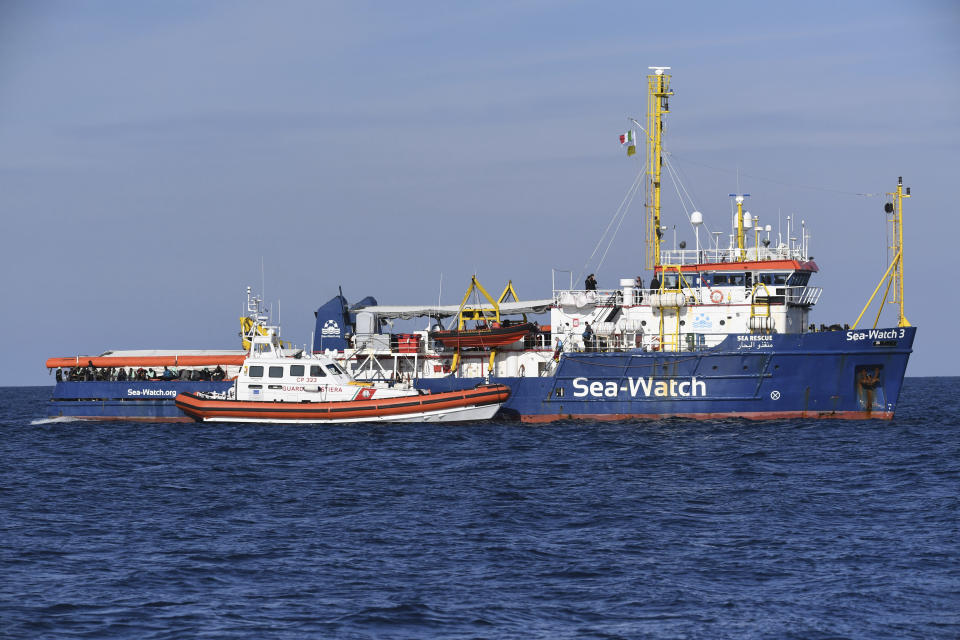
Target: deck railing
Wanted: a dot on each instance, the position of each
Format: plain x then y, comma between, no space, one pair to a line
581,298
706,256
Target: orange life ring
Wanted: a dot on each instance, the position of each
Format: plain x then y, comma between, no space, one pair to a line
655,343
716,296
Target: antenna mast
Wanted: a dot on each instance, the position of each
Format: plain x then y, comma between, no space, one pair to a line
897,221
658,92
894,275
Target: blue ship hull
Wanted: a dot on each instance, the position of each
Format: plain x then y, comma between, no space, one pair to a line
149,400
838,374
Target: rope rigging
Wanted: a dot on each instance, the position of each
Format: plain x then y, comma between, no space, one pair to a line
617,217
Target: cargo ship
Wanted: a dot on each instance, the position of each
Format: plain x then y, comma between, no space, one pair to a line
715,331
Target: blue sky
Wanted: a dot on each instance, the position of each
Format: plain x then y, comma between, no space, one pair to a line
151,154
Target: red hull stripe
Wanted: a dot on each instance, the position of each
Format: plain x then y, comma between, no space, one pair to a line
749,415
131,418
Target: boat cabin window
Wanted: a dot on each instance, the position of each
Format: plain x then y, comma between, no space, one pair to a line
335,369
673,281
728,279
772,278
256,372
799,279
276,372
296,370
317,371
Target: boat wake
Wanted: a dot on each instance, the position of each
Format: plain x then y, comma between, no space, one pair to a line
54,420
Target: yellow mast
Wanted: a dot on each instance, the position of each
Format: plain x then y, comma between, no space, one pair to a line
741,235
895,270
898,197
658,92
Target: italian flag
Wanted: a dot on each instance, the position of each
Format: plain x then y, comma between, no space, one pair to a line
628,138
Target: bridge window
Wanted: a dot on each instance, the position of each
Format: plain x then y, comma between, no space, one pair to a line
728,280
687,280
256,372
799,279
317,371
296,369
772,278
276,372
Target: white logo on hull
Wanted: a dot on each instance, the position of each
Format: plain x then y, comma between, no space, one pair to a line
876,334
672,388
330,329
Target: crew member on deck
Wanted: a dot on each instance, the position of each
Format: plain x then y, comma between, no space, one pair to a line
590,284
587,338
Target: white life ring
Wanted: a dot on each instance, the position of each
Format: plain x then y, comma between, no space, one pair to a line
716,296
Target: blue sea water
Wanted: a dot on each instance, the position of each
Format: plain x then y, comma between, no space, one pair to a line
667,529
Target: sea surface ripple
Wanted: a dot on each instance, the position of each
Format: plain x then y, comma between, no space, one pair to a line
667,529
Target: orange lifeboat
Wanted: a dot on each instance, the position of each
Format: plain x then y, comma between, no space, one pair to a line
487,337
479,403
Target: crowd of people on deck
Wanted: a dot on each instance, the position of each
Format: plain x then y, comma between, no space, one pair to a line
90,373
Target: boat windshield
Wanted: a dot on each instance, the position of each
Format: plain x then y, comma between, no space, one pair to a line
335,369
